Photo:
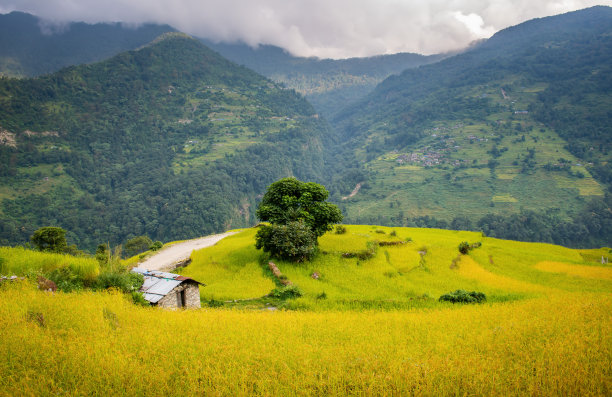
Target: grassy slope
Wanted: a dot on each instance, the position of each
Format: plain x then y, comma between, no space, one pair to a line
397,276
105,344
405,183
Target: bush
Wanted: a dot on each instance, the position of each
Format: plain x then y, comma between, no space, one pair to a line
156,246
461,296
340,229
66,279
286,292
464,247
124,281
294,241
369,252
138,299
137,245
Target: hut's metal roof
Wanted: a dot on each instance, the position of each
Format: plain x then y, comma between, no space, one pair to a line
158,284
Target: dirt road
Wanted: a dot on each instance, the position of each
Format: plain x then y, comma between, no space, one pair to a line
168,258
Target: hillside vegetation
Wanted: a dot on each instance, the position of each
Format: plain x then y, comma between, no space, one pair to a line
519,125
30,46
329,84
544,328
170,141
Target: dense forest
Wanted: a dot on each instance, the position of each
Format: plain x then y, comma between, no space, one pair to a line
171,141
329,84
31,47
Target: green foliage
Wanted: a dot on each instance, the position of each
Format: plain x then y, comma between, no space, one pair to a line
206,140
286,292
340,229
294,241
290,200
49,239
125,281
368,253
138,299
66,279
461,296
34,51
156,246
137,245
464,247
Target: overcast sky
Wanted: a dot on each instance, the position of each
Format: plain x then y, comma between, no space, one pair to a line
322,28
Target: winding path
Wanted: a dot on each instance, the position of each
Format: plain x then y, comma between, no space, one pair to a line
168,258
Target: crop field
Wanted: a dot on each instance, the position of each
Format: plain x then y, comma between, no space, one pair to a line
363,327
448,171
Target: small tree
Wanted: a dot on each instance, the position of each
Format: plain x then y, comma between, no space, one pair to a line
302,209
50,239
137,245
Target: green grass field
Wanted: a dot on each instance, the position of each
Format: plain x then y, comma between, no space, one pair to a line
413,274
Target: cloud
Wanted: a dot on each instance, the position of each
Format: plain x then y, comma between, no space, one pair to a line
322,28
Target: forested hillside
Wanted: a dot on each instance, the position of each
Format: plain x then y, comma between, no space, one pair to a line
31,47
328,84
515,130
172,141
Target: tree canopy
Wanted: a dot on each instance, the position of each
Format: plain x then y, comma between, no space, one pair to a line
298,214
290,200
50,238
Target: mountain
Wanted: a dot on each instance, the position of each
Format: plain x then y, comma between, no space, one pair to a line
170,140
29,48
519,126
327,83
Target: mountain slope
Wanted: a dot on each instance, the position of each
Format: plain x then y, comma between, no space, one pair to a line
327,83
171,140
28,49
521,123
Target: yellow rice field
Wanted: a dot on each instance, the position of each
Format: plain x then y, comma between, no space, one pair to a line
545,330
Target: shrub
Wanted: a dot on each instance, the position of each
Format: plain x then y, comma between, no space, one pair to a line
461,296
294,241
137,245
369,252
123,281
286,292
138,299
465,247
66,279
340,229
156,246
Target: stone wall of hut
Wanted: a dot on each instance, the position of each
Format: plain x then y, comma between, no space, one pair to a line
173,299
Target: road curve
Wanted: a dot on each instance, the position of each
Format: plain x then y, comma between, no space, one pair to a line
167,258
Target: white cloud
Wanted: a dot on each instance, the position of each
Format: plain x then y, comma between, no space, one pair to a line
323,28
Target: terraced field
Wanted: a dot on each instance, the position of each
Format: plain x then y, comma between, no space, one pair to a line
368,327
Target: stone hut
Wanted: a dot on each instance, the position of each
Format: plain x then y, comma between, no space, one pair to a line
169,290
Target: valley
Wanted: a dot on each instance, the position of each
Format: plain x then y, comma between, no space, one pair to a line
398,224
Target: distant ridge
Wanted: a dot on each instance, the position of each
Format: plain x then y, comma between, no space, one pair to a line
26,51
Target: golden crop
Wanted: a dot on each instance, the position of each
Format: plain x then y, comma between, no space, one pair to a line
552,337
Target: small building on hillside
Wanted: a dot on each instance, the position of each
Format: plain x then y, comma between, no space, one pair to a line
169,290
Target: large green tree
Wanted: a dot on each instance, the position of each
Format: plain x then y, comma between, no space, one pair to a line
290,200
298,214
